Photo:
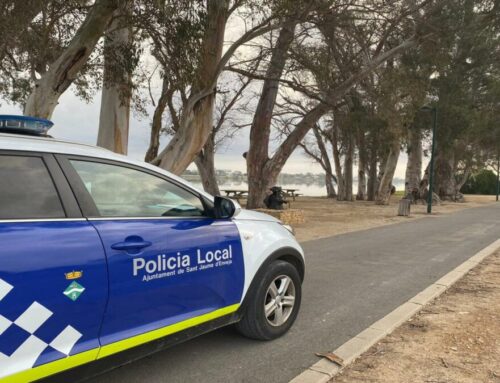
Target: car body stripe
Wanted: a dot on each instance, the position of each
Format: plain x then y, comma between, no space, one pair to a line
137,340
113,348
52,367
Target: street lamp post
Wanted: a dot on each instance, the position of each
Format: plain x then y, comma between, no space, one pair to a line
498,174
433,147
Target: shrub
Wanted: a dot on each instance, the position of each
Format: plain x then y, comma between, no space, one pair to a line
483,182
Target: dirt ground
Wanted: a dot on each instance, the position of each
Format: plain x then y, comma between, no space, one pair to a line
326,217
454,339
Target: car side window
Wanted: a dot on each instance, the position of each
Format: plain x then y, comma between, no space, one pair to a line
27,190
119,191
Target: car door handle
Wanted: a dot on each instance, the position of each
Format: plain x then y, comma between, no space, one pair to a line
131,244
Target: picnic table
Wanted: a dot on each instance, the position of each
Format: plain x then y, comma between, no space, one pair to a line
236,194
292,193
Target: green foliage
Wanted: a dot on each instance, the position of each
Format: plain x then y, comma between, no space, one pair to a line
45,29
467,61
484,182
174,29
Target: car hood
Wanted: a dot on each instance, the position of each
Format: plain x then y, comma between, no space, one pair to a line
251,215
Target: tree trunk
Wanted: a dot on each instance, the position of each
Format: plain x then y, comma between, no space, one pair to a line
348,165
274,165
445,185
260,131
156,125
362,166
61,74
195,127
196,120
205,162
463,180
114,118
371,189
341,187
414,165
325,163
261,170
330,185
384,188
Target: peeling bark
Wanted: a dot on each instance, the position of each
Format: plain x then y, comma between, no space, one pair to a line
348,165
330,185
196,120
384,188
114,118
325,164
156,124
334,141
262,170
205,162
414,165
362,167
61,74
260,131
372,186
445,183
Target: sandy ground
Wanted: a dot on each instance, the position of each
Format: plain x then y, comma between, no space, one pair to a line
454,339
326,217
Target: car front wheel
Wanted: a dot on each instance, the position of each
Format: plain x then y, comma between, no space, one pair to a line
274,304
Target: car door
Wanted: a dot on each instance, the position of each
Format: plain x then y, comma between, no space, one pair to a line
53,282
169,262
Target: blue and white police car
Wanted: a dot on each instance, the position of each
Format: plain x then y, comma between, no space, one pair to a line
100,254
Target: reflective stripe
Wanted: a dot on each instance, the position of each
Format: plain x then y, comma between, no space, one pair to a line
113,348
137,340
52,368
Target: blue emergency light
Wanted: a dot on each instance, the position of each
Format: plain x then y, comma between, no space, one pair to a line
25,125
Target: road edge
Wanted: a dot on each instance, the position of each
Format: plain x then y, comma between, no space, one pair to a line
324,370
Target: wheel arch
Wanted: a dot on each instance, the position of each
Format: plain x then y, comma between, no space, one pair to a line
287,254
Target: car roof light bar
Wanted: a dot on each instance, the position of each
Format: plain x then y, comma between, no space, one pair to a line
25,125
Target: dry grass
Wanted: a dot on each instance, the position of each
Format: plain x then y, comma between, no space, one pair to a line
456,339
326,217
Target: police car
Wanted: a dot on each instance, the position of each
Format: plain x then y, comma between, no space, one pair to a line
100,254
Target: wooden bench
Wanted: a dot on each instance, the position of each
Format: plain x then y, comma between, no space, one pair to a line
236,194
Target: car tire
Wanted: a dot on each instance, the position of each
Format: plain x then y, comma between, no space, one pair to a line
269,311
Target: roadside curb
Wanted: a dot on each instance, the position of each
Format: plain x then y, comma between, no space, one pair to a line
324,370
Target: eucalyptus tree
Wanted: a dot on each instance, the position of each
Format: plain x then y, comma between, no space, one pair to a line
197,95
120,59
318,78
227,124
51,50
20,14
318,150
466,56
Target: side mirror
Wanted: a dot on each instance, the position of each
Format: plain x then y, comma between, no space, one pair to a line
224,207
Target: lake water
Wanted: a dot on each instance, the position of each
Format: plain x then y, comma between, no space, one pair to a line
315,187
312,190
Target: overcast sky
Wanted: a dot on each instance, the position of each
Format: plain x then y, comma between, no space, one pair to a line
78,121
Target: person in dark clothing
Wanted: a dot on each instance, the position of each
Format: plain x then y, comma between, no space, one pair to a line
276,199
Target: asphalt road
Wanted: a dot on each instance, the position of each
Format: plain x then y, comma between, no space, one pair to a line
352,280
